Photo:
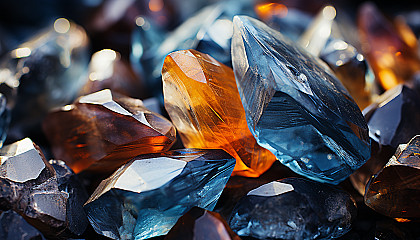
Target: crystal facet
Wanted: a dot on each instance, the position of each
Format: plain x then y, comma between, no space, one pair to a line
199,223
395,190
49,70
146,196
50,201
393,61
4,118
294,208
294,105
103,130
14,227
204,104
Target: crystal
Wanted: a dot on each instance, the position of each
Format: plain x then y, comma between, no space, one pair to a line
49,70
4,118
31,187
103,130
108,71
146,196
346,62
199,223
294,105
395,190
294,208
204,104
14,227
290,22
209,31
393,61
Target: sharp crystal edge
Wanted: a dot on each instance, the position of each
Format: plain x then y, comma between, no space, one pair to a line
295,106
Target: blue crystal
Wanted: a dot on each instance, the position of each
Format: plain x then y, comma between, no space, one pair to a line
295,106
294,208
14,227
145,197
4,118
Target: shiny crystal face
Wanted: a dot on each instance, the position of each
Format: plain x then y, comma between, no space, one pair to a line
103,130
294,105
203,102
294,208
146,196
394,191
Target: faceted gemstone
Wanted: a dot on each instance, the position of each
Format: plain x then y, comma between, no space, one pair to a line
108,71
395,190
294,105
204,104
103,130
14,227
393,61
394,118
146,196
324,39
199,223
290,22
4,118
30,186
294,208
49,70
209,31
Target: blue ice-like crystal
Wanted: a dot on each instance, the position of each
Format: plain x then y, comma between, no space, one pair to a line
145,197
295,106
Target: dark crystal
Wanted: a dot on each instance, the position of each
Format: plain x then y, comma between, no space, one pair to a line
4,118
14,227
294,208
199,223
146,196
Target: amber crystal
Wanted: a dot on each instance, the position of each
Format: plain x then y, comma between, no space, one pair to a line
103,130
395,190
203,102
392,59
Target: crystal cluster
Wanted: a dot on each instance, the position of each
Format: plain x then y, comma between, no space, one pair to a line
395,190
14,227
146,196
203,102
294,208
103,130
47,195
294,105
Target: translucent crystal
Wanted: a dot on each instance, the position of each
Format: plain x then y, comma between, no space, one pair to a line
199,223
103,130
30,186
203,102
395,190
146,196
294,208
294,105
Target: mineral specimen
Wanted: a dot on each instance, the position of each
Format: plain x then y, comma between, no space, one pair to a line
294,105
103,130
395,190
199,223
4,118
30,186
204,104
48,70
108,71
146,196
14,227
294,208
393,61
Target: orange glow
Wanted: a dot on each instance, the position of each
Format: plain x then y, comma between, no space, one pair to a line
402,220
388,78
406,33
267,10
156,5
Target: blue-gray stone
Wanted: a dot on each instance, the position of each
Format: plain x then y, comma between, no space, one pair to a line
294,208
14,227
295,106
4,118
146,196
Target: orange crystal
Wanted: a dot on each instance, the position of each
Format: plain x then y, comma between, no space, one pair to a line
392,59
101,131
203,102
